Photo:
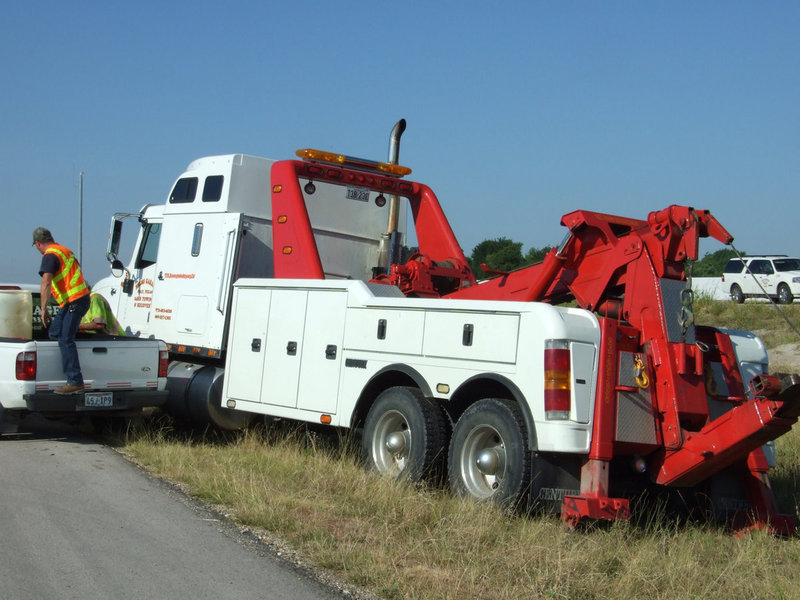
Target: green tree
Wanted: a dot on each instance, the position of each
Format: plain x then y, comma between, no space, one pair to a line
500,254
712,263
536,255
503,254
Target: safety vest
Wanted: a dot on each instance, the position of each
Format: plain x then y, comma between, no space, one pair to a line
68,284
99,309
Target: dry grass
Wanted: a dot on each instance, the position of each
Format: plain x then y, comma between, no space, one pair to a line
404,541
768,321
410,542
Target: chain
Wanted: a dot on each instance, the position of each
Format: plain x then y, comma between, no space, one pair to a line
686,317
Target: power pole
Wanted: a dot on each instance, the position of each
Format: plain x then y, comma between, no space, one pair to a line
80,218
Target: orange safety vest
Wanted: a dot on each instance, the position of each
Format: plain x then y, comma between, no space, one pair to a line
68,284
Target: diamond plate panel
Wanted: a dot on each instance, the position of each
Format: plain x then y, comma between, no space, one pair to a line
635,415
635,421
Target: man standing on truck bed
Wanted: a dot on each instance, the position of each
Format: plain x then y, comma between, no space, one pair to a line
62,278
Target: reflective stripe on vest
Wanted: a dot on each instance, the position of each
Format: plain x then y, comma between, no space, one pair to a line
68,284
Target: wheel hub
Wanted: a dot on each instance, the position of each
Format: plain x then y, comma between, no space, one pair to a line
490,461
396,443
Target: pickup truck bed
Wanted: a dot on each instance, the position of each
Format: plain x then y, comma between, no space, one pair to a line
122,375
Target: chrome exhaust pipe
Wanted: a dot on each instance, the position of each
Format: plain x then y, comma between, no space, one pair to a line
389,250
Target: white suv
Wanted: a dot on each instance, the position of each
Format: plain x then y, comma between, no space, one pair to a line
778,275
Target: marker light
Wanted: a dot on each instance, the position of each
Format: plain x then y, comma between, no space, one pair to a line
311,155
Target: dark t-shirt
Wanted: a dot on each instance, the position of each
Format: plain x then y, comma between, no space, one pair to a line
50,264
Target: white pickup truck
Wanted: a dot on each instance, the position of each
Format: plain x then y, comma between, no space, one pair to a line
122,375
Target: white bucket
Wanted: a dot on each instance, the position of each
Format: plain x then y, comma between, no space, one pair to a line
16,314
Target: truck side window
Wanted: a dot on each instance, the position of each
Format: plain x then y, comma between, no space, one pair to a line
761,267
212,190
149,251
184,191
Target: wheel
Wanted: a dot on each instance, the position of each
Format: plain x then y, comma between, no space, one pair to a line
405,435
736,294
489,458
784,294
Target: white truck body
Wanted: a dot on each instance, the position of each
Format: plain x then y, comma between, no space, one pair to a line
307,349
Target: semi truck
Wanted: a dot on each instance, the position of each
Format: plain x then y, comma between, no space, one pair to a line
574,384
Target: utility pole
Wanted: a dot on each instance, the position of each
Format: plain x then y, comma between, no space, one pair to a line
80,218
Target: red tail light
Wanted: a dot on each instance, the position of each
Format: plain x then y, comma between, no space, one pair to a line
163,363
26,366
557,380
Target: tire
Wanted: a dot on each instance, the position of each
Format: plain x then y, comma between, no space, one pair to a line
405,435
489,458
736,294
784,294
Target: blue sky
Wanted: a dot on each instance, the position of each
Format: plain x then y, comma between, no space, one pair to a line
518,112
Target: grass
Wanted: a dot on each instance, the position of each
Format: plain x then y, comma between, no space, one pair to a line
412,542
407,542
767,320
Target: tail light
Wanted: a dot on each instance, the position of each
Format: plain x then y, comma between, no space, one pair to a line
163,363
557,380
26,366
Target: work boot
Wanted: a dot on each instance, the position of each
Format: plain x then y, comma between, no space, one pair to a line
68,389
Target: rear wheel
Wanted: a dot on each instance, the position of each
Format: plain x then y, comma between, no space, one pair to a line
736,294
784,294
405,435
489,458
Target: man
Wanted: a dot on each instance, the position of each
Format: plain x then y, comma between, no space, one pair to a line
99,318
63,280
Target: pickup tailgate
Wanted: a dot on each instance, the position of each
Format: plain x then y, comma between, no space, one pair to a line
106,363
119,373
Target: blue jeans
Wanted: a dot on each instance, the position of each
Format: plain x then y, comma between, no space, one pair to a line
63,328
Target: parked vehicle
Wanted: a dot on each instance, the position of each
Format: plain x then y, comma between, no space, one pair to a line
121,375
266,280
770,276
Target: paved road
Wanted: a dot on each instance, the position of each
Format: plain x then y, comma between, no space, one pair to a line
78,521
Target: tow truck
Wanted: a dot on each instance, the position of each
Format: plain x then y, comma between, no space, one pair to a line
570,384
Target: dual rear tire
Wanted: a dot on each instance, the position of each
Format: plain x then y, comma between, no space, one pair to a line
488,457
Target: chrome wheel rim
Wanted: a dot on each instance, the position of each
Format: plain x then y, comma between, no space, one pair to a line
391,443
482,461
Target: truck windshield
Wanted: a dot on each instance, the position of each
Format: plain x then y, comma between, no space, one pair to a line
787,264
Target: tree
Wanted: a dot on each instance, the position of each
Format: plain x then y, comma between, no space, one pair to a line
503,254
712,264
500,254
536,255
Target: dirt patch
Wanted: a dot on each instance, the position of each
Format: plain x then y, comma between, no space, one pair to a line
785,358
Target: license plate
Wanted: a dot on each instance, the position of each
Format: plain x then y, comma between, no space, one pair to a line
98,400
360,194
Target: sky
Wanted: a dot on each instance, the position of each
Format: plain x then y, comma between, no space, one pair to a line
518,111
